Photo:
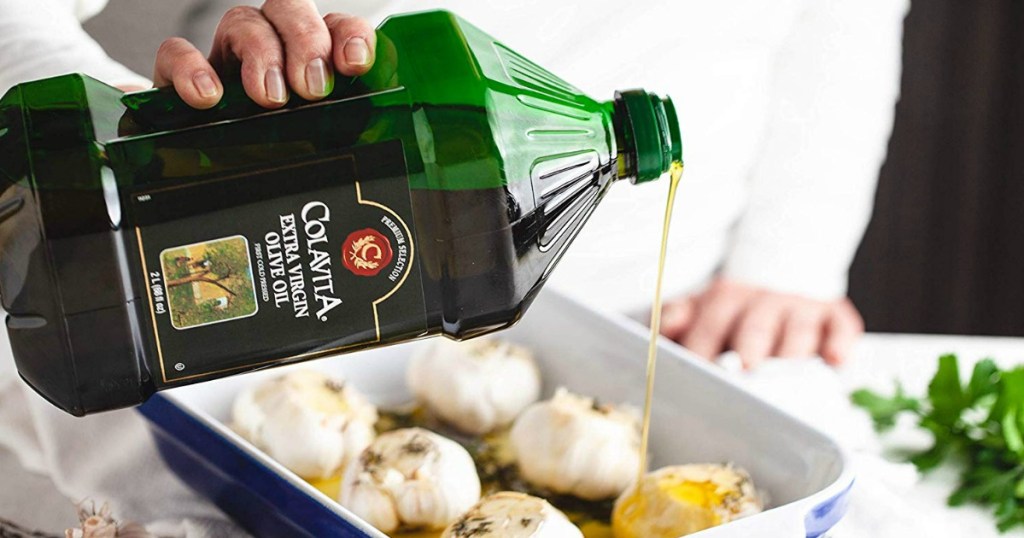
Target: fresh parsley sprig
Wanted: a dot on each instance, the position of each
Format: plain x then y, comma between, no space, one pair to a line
978,425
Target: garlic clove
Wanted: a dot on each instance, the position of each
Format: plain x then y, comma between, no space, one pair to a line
301,441
247,416
358,435
424,504
509,514
312,423
683,499
373,504
477,385
571,445
424,479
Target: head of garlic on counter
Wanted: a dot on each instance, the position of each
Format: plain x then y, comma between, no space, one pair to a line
509,514
475,386
311,423
411,479
683,499
572,445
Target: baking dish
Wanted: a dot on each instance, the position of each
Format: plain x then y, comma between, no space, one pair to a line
699,415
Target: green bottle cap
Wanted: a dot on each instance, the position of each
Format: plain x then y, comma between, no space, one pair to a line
655,132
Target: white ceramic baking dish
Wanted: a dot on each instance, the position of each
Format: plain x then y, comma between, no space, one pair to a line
699,415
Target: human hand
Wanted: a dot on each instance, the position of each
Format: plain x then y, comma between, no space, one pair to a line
285,44
758,323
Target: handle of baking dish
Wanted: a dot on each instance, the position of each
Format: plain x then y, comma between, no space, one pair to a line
824,515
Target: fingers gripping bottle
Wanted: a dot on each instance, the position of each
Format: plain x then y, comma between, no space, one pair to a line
145,245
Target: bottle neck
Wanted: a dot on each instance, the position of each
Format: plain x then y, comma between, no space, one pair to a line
646,135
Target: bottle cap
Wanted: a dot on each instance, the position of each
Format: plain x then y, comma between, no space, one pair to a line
654,131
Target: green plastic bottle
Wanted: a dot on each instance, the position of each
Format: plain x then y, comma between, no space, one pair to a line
145,245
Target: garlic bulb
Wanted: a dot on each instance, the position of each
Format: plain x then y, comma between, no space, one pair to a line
311,423
411,478
476,385
683,499
570,445
509,514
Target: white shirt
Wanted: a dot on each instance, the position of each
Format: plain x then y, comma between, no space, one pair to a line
785,106
44,38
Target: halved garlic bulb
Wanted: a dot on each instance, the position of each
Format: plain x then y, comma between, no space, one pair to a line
476,385
568,444
411,478
683,499
509,514
311,423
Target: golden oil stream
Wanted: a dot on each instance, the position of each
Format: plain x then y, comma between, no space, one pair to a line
675,173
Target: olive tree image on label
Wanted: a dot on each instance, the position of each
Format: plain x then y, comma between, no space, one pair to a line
209,282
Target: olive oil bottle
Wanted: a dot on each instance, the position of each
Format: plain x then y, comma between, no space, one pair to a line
145,245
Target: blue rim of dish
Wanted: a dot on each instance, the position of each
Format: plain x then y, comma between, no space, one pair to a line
256,496
825,515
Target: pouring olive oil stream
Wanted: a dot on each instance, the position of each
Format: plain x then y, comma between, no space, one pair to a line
675,174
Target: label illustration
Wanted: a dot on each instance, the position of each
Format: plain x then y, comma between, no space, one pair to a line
209,282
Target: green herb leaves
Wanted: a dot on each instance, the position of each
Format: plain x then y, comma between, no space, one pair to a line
885,410
947,397
979,425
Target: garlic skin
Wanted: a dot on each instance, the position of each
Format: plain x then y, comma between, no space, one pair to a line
510,514
100,524
477,385
683,499
309,422
570,445
411,478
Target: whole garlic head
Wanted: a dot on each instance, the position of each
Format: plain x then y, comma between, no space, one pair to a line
510,514
682,499
411,478
477,385
570,445
309,422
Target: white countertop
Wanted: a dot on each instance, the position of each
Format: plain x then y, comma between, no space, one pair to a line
881,359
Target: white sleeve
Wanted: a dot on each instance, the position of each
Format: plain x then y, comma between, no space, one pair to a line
812,186
43,38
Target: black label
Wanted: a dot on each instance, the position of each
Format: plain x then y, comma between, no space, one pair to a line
286,262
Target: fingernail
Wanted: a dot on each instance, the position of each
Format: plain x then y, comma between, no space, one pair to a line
318,79
205,84
274,83
357,52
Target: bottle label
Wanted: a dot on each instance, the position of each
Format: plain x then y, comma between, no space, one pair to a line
285,262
